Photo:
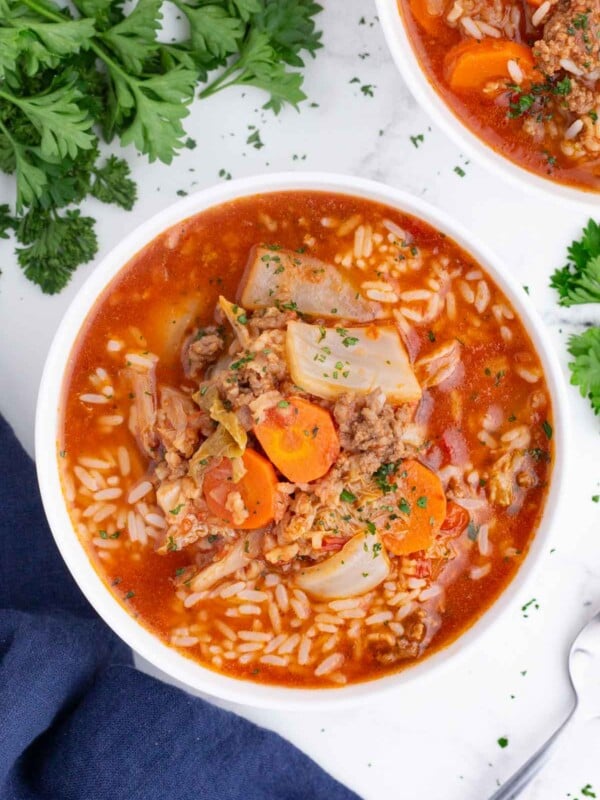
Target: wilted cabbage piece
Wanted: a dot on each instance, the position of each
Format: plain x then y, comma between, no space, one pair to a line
236,316
229,439
361,565
330,361
306,284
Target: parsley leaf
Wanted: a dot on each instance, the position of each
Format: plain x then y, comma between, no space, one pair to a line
112,183
579,280
585,369
97,70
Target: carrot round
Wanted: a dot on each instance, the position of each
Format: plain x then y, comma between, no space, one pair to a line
471,64
421,502
299,438
457,519
257,488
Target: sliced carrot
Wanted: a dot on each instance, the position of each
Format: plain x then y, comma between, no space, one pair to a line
457,519
433,24
471,64
257,488
300,439
421,501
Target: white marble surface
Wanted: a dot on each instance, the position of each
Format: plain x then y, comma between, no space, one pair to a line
436,740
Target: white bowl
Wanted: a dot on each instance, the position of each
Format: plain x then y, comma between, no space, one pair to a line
47,430
416,79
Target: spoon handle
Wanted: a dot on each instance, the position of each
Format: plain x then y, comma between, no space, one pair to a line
519,780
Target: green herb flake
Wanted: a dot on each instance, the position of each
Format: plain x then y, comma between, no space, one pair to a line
346,496
547,428
177,509
503,742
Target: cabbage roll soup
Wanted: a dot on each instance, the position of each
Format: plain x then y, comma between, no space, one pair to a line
523,75
305,439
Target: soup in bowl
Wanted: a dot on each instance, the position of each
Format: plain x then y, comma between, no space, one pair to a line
518,81
299,436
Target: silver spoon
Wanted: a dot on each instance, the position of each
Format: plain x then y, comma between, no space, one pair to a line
585,647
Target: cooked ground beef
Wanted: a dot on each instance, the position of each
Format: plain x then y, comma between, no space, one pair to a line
571,34
269,319
254,372
202,350
369,424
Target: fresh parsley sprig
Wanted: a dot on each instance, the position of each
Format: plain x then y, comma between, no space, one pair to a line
576,283
585,369
579,280
70,79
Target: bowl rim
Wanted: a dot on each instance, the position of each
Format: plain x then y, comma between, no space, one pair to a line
404,55
179,667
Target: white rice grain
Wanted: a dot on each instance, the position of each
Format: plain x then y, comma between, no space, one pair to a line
94,463
343,605
107,510
252,596
139,491
290,645
275,617
574,129
250,647
515,71
540,13
94,399
281,596
247,609
274,661
482,296
330,664
255,636
299,609
477,573
231,589
380,617
124,460
85,478
184,641
274,643
304,651
571,66
108,494
471,27
111,420
145,361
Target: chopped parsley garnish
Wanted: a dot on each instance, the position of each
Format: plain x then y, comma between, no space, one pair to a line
422,502
417,140
129,595
503,742
460,171
237,365
177,509
382,477
547,428
346,496
172,545
531,603
404,506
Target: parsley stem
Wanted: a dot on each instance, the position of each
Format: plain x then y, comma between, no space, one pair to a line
218,83
43,11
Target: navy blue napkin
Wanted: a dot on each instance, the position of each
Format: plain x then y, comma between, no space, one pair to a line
78,722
